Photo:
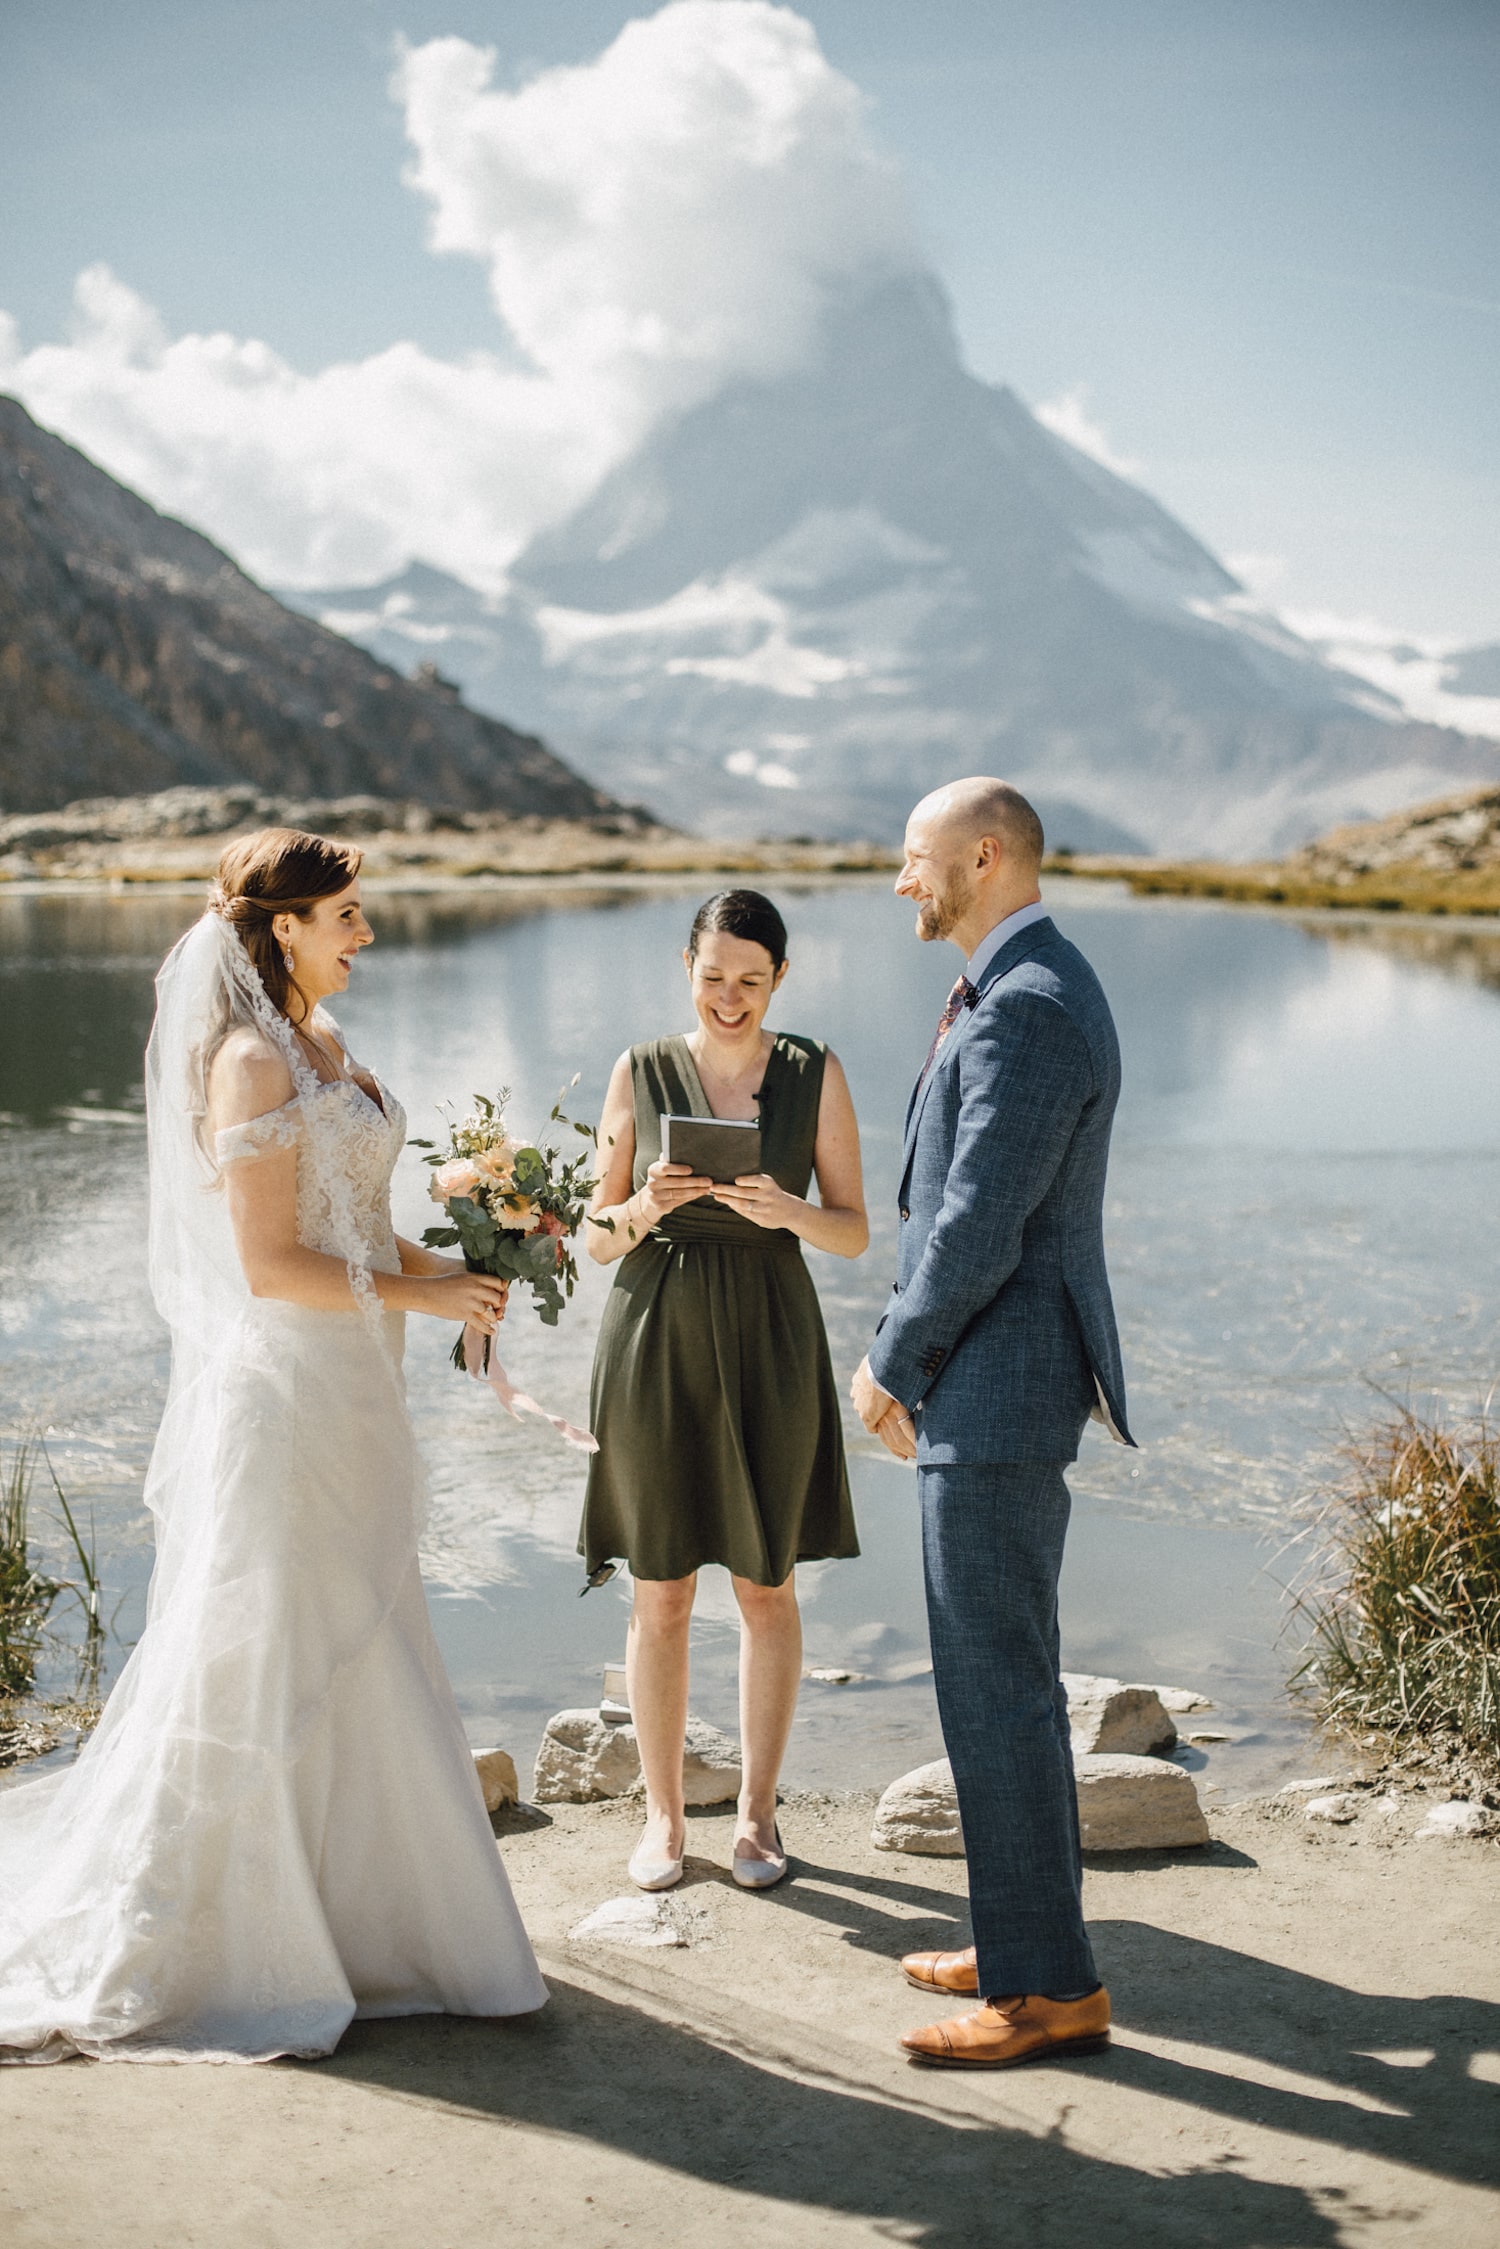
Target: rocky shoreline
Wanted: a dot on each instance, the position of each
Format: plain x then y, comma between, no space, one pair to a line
1132,1796
176,836
1438,859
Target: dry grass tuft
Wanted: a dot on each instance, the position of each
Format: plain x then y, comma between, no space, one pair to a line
26,1596
28,1599
1396,889
1406,1628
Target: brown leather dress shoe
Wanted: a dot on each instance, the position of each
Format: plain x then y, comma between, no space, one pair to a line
953,1972
1005,2031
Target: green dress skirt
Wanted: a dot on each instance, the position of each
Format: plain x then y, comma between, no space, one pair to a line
713,1396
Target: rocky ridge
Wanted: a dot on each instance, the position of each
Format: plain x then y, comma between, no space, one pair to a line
1440,857
1452,835
136,656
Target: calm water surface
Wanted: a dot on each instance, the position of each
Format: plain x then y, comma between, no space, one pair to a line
1304,1212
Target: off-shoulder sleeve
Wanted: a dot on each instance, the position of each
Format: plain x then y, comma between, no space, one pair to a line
265,1135
249,1088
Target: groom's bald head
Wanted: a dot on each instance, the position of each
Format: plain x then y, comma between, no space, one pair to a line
964,812
973,855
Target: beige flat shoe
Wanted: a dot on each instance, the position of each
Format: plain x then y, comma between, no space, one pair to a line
653,1874
760,1874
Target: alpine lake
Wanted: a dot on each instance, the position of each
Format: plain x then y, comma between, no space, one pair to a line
1303,1225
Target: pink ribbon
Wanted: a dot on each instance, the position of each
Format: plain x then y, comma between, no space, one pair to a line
482,1364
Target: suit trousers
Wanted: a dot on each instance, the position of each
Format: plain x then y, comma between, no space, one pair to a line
992,1548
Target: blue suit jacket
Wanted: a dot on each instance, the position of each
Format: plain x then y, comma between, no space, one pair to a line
1000,1333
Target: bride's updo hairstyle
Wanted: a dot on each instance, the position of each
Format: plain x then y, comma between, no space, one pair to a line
741,913
278,871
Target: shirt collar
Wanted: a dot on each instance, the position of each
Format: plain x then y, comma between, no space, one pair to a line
1003,931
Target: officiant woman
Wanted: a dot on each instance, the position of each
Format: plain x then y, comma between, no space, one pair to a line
713,1398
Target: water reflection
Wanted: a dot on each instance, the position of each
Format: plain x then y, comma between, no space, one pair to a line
1471,953
1305,1201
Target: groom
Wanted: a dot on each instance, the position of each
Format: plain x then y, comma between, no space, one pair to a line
998,1344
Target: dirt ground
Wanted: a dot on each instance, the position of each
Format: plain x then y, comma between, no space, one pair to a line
1307,2052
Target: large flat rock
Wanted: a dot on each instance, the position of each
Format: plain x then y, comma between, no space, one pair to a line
1124,1804
583,1761
1137,1804
919,1812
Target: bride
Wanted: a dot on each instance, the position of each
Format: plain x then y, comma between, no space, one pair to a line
277,1825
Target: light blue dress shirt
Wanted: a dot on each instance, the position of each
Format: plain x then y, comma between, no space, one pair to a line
1003,931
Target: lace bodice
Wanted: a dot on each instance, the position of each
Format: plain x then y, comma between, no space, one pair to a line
367,1144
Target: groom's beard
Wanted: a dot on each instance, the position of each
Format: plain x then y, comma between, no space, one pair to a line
939,916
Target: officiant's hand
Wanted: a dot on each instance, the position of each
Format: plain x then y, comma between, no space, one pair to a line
667,1188
884,1416
757,1197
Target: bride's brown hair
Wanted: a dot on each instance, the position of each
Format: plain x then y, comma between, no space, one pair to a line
279,871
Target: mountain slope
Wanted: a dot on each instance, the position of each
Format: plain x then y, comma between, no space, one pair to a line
134,655
805,601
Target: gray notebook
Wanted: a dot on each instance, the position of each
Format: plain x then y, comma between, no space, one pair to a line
716,1147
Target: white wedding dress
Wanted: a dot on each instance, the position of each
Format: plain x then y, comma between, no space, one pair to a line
276,1826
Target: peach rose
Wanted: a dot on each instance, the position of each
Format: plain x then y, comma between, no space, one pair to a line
452,1179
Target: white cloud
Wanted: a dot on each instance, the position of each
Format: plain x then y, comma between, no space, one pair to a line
1068,417
340,475
667,216
655,223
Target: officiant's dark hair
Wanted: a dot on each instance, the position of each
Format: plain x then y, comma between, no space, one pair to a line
741,913
279,871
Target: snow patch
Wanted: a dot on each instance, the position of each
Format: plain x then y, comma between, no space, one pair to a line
1130,566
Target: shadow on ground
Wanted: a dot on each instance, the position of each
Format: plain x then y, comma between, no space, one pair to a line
605,2072
1381,2077
1394,2075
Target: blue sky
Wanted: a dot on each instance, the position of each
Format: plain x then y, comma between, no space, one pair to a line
1261,237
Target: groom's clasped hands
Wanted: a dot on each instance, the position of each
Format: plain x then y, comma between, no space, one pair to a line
884,1416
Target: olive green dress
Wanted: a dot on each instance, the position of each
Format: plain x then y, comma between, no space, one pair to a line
713,1396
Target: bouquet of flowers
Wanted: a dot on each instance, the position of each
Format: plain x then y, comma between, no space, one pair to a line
513,1205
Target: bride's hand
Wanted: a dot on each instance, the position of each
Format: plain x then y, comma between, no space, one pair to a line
476,1298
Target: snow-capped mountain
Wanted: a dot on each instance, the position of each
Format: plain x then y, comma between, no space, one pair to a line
801,604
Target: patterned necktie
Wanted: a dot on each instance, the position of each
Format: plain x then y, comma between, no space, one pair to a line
963,995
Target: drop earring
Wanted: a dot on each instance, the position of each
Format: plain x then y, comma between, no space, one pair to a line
286,954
